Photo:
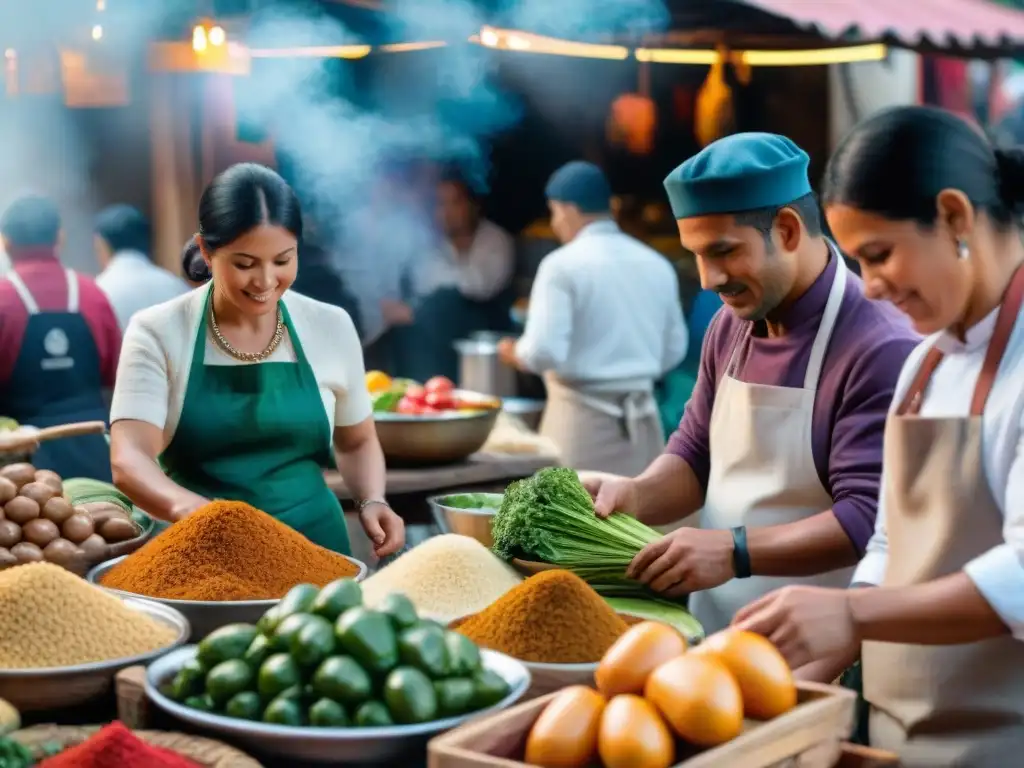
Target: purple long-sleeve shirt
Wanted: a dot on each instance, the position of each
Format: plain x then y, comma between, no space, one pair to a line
869,344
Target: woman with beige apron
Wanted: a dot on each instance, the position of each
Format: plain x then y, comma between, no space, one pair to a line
940,637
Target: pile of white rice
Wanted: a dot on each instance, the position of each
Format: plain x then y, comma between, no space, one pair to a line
446,577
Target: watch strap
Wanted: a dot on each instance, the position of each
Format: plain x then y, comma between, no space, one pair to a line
740,553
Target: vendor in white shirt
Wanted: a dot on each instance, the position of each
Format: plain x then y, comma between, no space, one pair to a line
605,322
246,391
131,280
941,633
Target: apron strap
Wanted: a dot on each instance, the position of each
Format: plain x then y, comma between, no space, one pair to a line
1006,320
73,302
23,293
828,322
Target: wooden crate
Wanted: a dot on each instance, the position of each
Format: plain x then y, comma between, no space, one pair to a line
810,736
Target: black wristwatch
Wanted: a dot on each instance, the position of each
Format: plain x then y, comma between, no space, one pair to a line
740,553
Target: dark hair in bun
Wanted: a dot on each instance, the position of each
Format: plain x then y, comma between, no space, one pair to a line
192,263
896,162
242,198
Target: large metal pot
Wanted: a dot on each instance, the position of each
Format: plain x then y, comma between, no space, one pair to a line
480,369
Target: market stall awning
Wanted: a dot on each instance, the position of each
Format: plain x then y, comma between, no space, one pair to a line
968,27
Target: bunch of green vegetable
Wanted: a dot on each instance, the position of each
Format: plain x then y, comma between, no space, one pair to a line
14,754
550,517
320,658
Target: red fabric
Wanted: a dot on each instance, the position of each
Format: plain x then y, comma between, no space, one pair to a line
44,277
936,21
114,746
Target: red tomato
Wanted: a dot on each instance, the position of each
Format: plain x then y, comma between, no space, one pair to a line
409,407
440,400
439,384
415,393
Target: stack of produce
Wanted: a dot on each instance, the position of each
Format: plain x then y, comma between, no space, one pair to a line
550,518
38,523
446,577
437,395
655,700
226,551
323,659
551,618
115,745
52,618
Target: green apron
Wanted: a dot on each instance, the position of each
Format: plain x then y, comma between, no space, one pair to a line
258,433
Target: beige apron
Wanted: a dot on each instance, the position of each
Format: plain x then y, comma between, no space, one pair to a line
599,431
960,705
762,467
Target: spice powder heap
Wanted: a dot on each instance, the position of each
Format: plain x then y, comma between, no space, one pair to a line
226,551
51,618
114,746
551,618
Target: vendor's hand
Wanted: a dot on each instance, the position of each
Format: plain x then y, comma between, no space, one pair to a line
611,493
396,312
186,504
806,624
507,352
686,560
384,528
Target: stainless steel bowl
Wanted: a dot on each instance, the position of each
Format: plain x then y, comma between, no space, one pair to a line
475,523
441,438
337,746
529,410
30,690
207,615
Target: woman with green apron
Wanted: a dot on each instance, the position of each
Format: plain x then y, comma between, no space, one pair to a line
244,391
938,618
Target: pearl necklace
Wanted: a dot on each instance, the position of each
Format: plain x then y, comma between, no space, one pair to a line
248,357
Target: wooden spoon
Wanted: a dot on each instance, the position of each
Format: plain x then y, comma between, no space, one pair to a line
29,439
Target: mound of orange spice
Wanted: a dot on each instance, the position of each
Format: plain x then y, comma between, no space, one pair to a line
551,618
226,551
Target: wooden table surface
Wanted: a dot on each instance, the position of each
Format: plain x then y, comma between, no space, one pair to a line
479,469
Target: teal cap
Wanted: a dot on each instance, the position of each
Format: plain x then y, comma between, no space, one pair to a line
742,172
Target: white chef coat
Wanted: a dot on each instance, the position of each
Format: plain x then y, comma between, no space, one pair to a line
998,573
481,273
132,282
604,311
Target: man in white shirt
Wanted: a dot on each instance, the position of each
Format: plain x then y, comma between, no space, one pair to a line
121,237
605,322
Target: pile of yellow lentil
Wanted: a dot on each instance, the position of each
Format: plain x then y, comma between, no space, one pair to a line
51,618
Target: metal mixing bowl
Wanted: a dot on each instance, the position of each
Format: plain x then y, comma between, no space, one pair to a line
337,746
441,438
30,690
475,523
207,615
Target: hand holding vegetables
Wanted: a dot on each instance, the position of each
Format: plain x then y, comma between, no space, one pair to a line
684,561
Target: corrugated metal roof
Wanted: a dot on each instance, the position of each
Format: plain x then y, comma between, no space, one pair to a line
966,24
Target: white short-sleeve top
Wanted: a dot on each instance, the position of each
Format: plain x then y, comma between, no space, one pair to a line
156,356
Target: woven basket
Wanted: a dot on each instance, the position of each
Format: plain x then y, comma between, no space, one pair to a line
204,752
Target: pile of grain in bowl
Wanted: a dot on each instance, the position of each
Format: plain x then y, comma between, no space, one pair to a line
51,618
446,577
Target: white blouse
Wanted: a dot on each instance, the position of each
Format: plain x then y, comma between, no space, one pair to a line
156,356
998,573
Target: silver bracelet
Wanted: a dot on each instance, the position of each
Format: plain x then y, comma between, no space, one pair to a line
364,503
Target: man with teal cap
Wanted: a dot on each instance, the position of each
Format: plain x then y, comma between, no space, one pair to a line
780,447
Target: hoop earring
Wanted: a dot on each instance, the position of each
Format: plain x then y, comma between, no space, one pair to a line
963,251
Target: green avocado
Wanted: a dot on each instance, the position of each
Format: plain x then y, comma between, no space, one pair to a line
342,679
228,642
227,679
336,598
410,696
368,637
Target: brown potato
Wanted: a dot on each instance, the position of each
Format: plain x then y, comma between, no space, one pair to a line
58,509
50,478
101,511
95,548
27,553
40,531
21,509
40,493
62,552
6,558
8,490
116,529
77,528
19,474
10,534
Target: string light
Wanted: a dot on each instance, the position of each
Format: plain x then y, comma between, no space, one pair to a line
217,36
199,38
97,32
101,5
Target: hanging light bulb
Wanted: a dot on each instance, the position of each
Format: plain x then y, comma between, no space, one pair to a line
101,5
97,32
199,38
217,36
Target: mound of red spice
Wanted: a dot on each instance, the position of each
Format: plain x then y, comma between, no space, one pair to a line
114,746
